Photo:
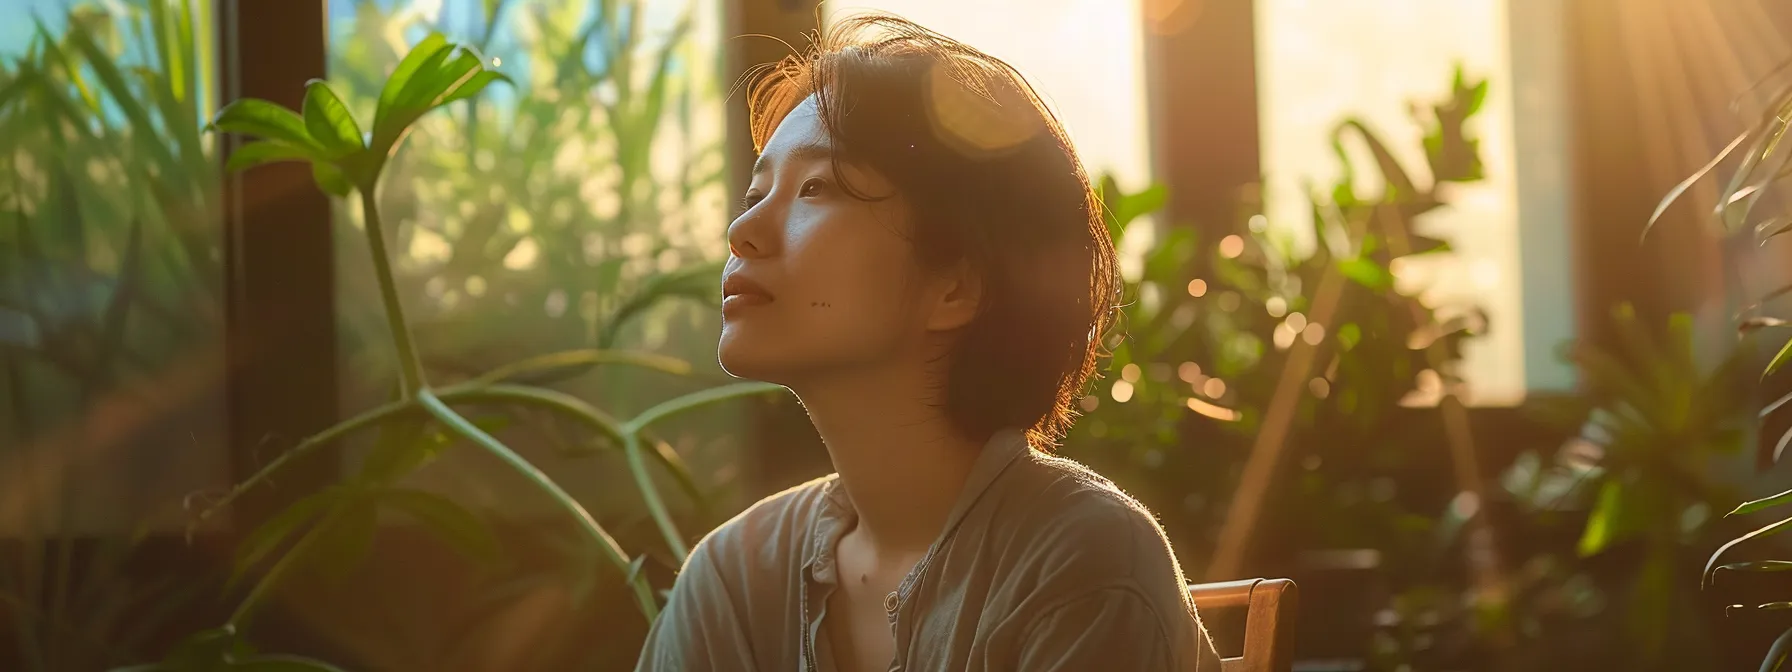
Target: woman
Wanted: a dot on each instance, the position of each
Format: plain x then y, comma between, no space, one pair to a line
921,260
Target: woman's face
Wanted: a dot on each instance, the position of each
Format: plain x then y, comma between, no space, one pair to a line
819,282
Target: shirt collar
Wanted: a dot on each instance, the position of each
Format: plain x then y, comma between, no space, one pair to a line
837,514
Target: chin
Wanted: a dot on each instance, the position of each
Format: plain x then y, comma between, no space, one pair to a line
742,358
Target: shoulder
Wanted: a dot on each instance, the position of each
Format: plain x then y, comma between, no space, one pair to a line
1089,530
767,536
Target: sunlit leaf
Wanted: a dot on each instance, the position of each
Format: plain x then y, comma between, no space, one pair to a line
1674,194
1611,521
1367,273
1754,323
263,152
1761,504
448,520
328,121
254,116
1766,530
330,179
386,130
1765,231
474,85
1758,566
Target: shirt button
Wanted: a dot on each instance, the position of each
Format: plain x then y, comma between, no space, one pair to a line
890,602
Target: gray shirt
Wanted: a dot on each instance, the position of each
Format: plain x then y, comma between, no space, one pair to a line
1042,565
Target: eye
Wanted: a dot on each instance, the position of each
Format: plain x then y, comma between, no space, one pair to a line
749,200
812,187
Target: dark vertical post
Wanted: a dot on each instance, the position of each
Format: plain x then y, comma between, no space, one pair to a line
1201,81
782,448
280,312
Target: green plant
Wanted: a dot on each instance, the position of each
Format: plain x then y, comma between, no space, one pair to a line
537,219
1653,417
1213,326
423,421
1762,166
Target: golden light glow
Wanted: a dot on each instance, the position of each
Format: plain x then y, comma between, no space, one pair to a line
1130,373
1214,388
1231,246
1197,287
1212,410
1122,391
1276,306
1313,334
1188,372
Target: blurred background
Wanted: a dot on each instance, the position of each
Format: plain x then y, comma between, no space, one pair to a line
1393,328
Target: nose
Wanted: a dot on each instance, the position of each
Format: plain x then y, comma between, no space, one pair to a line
752,235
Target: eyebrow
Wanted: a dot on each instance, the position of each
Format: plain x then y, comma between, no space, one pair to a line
801,153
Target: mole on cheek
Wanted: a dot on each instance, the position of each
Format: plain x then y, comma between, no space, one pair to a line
820,304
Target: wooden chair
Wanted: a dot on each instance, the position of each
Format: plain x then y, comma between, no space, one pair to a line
1269,620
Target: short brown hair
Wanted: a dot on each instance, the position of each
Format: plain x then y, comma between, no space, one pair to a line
991,179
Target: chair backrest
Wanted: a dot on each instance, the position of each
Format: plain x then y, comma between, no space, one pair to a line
1268,624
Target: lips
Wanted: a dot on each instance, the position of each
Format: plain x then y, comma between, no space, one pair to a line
740,291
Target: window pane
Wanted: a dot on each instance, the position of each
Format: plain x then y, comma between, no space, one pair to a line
532,219
110,268
1320,62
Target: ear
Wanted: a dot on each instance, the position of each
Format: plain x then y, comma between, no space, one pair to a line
958,293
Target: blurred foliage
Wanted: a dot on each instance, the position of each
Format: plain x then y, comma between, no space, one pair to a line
1655,415
109,274
1208,326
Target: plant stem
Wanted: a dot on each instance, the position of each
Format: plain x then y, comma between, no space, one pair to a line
410,369
240,617
656,507
337,431
459,425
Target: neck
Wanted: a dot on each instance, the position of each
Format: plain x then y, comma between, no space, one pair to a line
900,458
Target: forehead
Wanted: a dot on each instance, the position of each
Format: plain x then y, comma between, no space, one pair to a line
799,128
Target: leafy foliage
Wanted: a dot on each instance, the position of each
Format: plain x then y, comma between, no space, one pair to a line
338,523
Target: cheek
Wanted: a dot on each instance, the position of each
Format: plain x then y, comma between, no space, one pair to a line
850,271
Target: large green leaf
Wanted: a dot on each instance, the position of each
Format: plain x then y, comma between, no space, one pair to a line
385,131
262,152
450,521
331,179
254,116
329,121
